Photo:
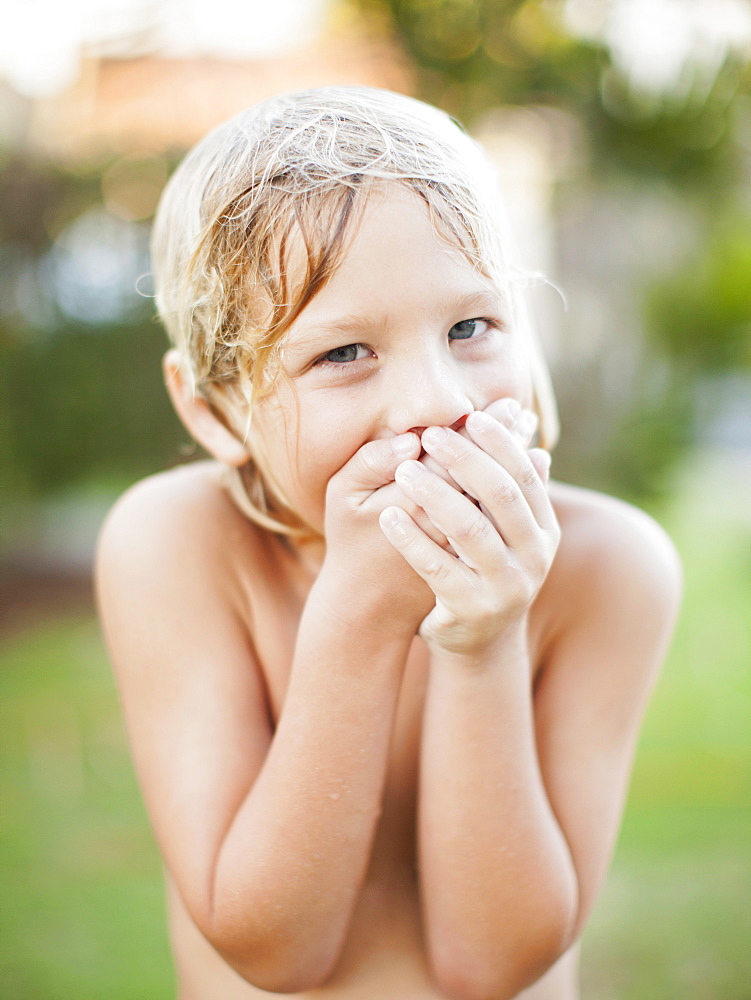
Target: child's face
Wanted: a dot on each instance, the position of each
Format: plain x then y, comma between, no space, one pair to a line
406,334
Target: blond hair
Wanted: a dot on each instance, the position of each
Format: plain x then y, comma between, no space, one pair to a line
302,165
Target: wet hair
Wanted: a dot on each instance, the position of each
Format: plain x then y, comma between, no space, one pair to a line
297,169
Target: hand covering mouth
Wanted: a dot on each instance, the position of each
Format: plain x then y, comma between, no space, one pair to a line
430,463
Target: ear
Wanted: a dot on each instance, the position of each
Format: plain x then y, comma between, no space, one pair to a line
199,418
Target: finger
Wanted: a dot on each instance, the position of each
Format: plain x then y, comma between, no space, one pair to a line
506,449
393,495
473,537
541,460
509,412
493,467
374,464
435,467
442,572
506,411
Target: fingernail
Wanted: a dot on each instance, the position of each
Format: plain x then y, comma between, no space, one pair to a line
434,435
389,517
513,408
408,471
404,445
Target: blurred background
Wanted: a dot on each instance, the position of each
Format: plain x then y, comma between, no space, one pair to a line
622,134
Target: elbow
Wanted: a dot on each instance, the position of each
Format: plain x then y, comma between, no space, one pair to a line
274,978
282,981
516,959
276,960
275,970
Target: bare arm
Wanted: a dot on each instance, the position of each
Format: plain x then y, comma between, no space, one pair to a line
513,840
599,673
266,832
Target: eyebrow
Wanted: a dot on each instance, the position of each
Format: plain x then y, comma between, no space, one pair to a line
484,299
481,300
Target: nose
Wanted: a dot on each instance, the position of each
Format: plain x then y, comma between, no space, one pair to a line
455,426
429,394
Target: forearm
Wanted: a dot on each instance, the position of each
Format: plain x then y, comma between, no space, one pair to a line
287,875
291,864
499,888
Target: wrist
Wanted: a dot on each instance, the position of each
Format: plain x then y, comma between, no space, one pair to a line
463,651
349,599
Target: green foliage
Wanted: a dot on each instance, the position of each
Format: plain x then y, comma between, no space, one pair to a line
38,198
635,456
701,313
673,920
80,404
78,401
474,55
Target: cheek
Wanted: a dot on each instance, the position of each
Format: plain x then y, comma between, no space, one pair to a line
524,387
509,377
275,436
333,425
305,441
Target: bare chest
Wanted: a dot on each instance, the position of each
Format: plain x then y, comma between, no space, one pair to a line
383,956
276,618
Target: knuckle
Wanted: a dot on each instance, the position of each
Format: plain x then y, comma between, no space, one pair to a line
528,478
505,493
472,529
528,537
436,569
368,464
538,565
463,454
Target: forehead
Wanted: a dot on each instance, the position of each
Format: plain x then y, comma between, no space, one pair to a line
327,223
394,255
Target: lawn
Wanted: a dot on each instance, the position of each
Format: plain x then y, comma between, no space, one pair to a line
82,914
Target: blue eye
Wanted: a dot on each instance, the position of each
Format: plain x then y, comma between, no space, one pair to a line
344,355
467,329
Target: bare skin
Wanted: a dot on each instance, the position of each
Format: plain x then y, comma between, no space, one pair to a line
390,764
383,954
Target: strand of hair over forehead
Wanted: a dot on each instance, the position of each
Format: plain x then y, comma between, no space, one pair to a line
317,140
334,137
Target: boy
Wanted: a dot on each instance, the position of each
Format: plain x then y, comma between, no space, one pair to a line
382,678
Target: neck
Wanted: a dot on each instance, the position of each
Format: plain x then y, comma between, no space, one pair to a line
309,553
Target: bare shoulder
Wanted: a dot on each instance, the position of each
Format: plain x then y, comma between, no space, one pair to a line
186,509
609,536
616,558
173,501
173,538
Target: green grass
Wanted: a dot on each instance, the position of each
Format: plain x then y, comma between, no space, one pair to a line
81,908
674,919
